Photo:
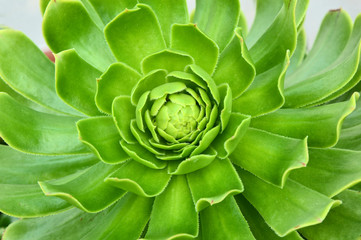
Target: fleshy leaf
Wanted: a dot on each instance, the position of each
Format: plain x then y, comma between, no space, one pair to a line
350,138
76,82
140,35
212,184
188,38
76,224
86,189
35,81
139,179
169,12
270,157
321,124
217,19
330,171
174,208
123,113
67,25
36,132
227,142
235,66
300,51
308,207
102,136
225,107
224,221
43,4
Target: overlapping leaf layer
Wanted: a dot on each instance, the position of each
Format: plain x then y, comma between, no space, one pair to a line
155,125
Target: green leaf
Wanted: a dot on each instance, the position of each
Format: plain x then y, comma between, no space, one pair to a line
299,53
35,81
224,221
140,35
101,135
270,49
212,184
139,179
174,209
170,60
118,80
270,157
218,19
267,85
235,66
225,106
123,113
227,142
330,171
169,12
86,189
321,124
67,25
206,140
188,38
350,138
43,4
36,132
341,223
308,207
143,139
76,224
77,93
258,226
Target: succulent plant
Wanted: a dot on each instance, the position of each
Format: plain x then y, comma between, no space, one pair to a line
159,125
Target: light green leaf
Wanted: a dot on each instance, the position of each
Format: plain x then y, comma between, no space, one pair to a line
43,4
271,47
86,189
330,171
270,157
170,60
227,142
218,19
140,35
76,224
224,221
299,53
76,82
35,81
139,179
102,136
206,140
188,38
36,132
235,66
350,138
123,113
212,184
67,25
321,124
118,80
174,208
308,207
225,106
341,223
169,12
267,86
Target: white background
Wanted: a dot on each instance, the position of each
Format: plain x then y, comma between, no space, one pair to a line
25,15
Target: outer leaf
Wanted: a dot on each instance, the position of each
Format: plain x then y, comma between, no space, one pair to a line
350,138
102,136
308,207
218,19
332,171
118,80
321,124
76,82
212,184
224,221
67,25
43,4
235,66
174,208
123,113
300,51
140,179
76,224
35,81
188,38
86,190
270,157
135,27
169,12
35,132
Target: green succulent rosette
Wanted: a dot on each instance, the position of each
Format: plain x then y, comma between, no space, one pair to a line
156,125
